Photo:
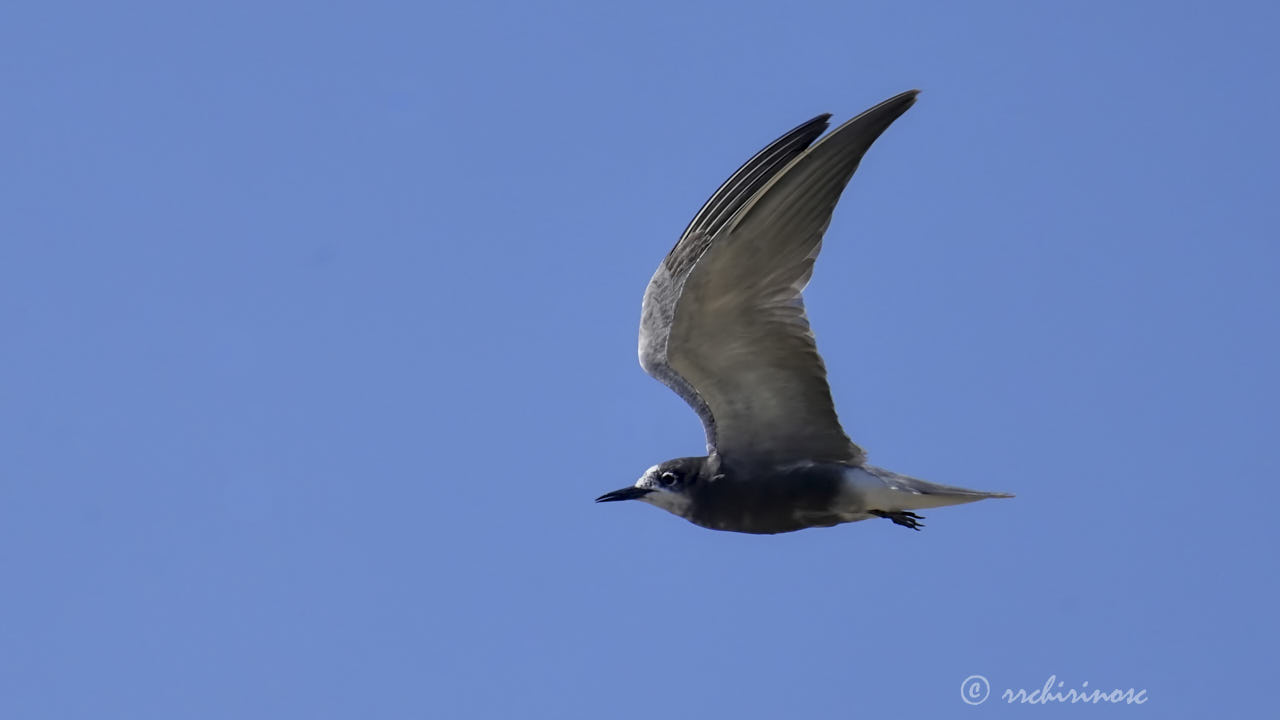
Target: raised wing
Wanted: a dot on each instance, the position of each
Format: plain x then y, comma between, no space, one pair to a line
664,288
723,321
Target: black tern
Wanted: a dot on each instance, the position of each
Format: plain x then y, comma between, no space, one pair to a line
723,325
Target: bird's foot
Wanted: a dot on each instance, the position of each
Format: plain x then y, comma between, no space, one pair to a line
902,517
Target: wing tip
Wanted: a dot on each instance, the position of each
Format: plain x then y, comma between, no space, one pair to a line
898,103
810,129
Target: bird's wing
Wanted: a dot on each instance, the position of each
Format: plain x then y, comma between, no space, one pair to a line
723,321
663,292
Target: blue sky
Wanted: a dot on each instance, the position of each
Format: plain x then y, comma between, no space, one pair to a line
319,332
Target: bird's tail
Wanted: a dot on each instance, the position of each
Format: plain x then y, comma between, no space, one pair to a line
903,492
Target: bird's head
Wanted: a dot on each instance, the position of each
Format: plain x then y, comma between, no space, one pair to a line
668,485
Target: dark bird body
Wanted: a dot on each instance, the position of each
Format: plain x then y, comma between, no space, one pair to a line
723,325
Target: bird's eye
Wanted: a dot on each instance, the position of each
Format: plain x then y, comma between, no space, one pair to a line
667,478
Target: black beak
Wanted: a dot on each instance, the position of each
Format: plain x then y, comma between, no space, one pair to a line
627,493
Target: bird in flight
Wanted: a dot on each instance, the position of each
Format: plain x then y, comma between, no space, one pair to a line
723,325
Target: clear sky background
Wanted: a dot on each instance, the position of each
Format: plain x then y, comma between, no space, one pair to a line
317,341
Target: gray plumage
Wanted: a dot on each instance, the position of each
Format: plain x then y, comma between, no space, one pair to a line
723,325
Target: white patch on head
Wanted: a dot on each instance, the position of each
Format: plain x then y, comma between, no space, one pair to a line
670,500
649,479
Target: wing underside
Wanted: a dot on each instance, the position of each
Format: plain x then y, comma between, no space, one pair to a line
723,321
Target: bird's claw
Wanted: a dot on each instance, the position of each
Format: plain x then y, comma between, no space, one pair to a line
905,518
